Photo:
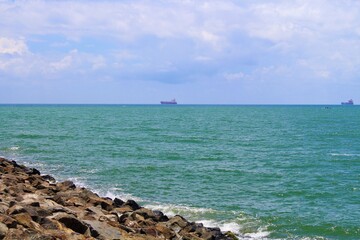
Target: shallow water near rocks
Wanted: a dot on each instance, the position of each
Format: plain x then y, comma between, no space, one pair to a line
264,172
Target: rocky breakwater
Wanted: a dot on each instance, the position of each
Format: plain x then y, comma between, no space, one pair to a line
34,206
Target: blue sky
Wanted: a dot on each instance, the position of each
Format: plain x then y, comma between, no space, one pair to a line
203,52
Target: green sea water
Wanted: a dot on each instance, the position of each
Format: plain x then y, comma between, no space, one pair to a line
264,172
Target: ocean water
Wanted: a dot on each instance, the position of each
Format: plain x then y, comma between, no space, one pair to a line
264,172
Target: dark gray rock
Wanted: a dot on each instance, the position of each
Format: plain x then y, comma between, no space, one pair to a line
117,202
131,203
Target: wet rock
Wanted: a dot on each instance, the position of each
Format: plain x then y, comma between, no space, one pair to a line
117,202
132,204
31,171
231,235
49,178
159,216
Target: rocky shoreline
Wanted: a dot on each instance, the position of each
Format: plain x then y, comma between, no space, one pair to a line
35,206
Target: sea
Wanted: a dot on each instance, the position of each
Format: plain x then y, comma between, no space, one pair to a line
261,171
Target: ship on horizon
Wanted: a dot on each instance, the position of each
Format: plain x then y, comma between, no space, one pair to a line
173,101
350,102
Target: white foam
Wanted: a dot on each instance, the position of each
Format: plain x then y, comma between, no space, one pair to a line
226,226
122,196
345,154
172,209
197,215
261,234
14,148
230,226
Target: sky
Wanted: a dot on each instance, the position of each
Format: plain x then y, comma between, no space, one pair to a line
199,52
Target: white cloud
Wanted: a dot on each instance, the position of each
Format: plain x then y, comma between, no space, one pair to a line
211,38
62,64
300,39
97,62
70,61
12,46
234,76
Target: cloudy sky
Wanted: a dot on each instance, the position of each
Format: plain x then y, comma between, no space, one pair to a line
139,51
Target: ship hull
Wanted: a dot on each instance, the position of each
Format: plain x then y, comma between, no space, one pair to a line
350,102
173,101
168,103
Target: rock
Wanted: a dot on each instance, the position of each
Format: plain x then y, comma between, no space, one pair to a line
67,185
31,171
160,217
32,211
104,230
147,213
71,222
136,217
15,210
3,207
16,234
164,231
8,221
117,202
75,201
29,198
47,223
132,204
150,231
106,205
178,220
25,220
109,218
123,209
49,178
35,204
231,235
3,230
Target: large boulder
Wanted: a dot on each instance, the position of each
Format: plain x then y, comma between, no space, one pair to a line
71,222
103,230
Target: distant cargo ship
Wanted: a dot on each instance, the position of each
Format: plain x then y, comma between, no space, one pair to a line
169,102
350,102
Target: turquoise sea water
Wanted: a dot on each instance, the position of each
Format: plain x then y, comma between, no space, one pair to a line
264,172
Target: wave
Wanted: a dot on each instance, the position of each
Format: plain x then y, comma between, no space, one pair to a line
203,215
15,148
346,154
